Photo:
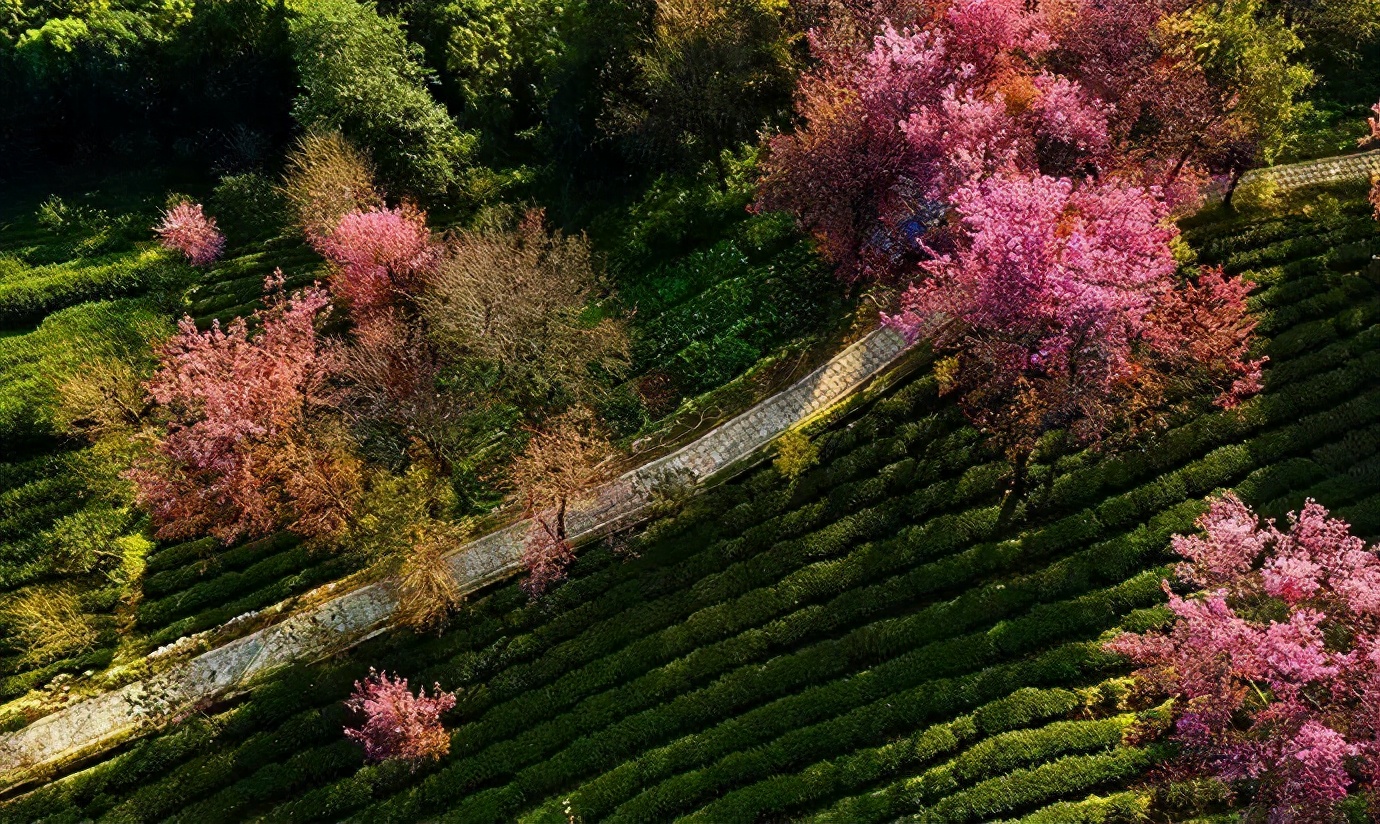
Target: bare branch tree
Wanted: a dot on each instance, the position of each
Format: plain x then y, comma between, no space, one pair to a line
561,465
518,298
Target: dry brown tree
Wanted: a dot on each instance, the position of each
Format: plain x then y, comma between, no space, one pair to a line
326,178
427,591
518,298
392,374
562,465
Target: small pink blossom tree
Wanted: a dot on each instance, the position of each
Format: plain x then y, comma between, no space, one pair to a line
379,254
397,724
1274,668
1371,140
186,228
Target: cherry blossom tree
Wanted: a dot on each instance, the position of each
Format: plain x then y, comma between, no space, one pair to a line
1060,310
1155,92
379,253
244,447
890,132
398,724
186,228
1373,122
1274,668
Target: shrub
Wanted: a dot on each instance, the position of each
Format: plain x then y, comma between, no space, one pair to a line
397,724
186,229
49,623
794,454
88,539
249,206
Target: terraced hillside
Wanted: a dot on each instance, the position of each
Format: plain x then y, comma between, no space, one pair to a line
84,276
891,635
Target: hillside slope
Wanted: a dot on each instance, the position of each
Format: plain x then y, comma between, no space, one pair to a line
891,635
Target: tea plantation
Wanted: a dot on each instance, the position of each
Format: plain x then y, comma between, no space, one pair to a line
84,276
892,635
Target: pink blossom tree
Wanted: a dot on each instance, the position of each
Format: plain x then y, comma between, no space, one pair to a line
1274,669
1373,139
893,130
1060,310
186,228
1155,92
397,724
378,253
243,447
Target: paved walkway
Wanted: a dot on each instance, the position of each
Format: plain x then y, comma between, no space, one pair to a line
98,723
1317,172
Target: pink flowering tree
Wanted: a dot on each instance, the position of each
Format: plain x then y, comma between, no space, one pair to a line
397,724
1274,667
243,447
893,131
186,228
894,127
935,96
1058,309
378,254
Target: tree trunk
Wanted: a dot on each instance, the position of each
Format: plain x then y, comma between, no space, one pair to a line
1231,188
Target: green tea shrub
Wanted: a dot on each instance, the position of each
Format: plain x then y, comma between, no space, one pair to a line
248,207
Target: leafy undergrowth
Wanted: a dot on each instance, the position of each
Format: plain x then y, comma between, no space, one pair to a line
891,635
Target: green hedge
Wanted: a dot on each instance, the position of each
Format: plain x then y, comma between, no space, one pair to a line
27,296
1025,788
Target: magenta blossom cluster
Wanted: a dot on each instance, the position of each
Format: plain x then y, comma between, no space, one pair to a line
1275,666
186,229
397,724
378,254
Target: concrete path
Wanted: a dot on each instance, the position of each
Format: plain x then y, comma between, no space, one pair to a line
98,723
1317,172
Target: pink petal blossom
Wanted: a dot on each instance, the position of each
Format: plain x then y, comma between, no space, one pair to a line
186,229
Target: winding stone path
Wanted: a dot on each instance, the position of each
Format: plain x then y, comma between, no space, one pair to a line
98,723
1317,172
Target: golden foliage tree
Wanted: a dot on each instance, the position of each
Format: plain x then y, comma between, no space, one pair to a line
518,299
563,464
